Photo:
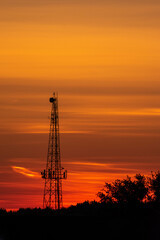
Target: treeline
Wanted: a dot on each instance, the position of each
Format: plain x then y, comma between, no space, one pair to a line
111,220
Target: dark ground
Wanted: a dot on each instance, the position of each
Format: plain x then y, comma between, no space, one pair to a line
86,220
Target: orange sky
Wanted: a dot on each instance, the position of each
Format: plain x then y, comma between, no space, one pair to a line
102,57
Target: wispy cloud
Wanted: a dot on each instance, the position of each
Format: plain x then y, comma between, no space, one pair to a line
26,172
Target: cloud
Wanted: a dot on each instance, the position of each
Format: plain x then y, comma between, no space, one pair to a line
26,172
68,2
95,13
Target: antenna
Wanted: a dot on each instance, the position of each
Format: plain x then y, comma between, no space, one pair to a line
54,173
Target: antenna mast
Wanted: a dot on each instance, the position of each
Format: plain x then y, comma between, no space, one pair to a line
54,173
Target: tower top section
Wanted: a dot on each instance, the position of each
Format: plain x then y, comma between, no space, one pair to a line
53,99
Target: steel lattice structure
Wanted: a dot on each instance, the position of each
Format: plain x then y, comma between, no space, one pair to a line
54,173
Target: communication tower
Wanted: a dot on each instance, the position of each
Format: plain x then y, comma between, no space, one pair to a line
54,173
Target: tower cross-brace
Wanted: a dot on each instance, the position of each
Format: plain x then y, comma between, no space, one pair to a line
54,173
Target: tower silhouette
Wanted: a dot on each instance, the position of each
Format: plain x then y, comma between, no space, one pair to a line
54,173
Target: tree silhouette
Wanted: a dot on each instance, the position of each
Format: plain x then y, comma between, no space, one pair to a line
125,191
155,186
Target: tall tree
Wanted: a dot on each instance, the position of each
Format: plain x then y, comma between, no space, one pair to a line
126,190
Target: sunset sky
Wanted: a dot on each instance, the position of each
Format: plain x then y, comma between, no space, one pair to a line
103,59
